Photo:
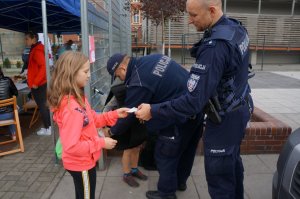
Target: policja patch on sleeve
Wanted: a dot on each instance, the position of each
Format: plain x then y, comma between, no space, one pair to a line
192,82
200,67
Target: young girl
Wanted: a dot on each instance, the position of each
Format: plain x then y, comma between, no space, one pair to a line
77,122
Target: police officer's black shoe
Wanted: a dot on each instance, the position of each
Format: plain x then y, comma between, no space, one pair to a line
181,187
157,195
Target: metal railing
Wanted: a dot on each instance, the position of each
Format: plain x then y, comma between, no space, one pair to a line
111,30
281,32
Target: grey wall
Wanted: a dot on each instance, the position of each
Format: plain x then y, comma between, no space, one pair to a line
279,57
12,44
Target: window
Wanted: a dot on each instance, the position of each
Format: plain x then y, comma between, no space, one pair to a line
136,18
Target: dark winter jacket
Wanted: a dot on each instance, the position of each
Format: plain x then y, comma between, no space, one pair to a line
7,90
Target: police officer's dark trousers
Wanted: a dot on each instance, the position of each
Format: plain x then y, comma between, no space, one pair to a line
174,153
192,131
225,174
223,165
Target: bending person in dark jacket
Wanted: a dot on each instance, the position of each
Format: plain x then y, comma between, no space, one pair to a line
129,141
154,79
7,90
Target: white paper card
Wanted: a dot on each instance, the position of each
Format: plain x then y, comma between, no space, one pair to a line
132,110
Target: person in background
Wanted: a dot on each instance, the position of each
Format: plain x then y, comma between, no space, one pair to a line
78,123
36,79
7,90
128,141
66,47
218,84
25,57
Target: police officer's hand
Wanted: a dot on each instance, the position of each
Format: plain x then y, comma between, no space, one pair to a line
144,112
122,112
109,143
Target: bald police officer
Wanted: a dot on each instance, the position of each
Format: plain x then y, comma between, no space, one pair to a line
154,79
218,81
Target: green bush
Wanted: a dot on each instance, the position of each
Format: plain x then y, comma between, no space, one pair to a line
19,64
6,63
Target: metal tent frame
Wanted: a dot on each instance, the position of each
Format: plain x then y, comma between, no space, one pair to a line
109,24
19,15
22,16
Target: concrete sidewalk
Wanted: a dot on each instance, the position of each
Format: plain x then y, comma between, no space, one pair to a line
33,174
259,171
278,94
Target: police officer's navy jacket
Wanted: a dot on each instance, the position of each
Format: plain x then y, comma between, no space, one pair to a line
222,59
151,79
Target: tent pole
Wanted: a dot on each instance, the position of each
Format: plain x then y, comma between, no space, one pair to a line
110,28
85,39
1,49
45,31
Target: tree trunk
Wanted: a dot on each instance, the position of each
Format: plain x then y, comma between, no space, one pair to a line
162,33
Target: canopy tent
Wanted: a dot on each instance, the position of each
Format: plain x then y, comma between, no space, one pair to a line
47,16
63,16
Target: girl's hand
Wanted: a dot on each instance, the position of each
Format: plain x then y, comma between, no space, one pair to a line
109,143
122,112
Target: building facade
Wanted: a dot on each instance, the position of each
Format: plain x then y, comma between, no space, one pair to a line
273,26
136,22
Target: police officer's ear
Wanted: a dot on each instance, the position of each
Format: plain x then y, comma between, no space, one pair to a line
125,62
213,11
123,66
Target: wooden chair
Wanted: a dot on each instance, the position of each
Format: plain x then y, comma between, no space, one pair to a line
31,104
12,102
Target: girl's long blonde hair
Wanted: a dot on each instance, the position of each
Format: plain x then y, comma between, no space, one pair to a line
63,81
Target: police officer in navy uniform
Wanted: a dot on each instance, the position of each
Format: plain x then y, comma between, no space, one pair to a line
154,79
218,84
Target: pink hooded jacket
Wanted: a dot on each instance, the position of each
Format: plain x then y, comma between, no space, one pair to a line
78,133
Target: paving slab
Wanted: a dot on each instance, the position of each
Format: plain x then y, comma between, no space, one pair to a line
269,160
254,165
258,186
201,186
113,187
